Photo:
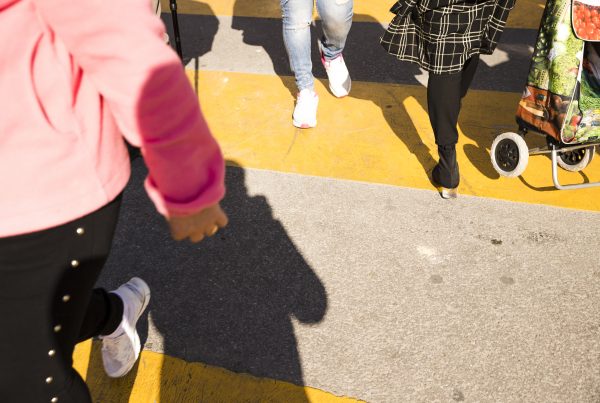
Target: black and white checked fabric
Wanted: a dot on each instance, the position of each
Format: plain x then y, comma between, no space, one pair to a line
441,35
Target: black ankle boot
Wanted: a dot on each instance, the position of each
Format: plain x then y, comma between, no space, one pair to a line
445,173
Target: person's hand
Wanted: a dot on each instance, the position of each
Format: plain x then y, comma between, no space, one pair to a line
197,226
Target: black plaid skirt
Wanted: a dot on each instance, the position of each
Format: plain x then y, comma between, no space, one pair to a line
441,35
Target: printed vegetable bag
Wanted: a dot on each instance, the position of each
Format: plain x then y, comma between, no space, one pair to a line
561,97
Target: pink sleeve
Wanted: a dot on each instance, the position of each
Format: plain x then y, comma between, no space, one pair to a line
119,45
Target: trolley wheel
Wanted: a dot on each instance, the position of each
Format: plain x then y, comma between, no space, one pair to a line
576,160
510,154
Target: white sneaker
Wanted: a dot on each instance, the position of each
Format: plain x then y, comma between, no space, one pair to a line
339,77
305,112
121,349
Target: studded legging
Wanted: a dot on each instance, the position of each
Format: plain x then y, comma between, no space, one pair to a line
48,304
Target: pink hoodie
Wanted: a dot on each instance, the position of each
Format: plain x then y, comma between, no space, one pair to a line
74,77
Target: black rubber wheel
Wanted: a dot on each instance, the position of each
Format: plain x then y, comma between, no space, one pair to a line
576,160
509,154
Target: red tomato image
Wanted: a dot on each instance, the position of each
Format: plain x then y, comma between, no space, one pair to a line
586,21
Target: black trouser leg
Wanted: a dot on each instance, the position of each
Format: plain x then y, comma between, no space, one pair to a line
444,95
47,305
468,74
103,315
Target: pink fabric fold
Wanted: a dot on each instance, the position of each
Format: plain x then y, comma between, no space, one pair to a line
75,78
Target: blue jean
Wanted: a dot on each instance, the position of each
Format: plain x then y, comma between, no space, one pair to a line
336,16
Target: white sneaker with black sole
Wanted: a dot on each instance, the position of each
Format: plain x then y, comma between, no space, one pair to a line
121,349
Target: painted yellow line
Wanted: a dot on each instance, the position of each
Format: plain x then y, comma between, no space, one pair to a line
527,13
160,378
381,133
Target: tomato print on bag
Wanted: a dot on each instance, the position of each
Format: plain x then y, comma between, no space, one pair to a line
586,19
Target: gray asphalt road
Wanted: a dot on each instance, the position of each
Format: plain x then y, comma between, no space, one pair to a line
381,293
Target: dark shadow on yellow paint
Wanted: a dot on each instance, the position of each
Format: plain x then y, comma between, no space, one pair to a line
480,158
536,188
395,112
104,389
368,61
396,116
229,301
585,178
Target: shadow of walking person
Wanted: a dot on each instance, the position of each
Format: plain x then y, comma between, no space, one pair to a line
229,301
197,35
197,32
266,33
197,29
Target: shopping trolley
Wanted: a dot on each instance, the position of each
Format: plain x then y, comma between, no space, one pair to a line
561,100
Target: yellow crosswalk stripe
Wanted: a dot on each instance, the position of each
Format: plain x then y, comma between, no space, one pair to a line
527,13
379,134
161,378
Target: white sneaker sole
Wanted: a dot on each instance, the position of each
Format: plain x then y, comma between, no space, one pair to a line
341,93
304,125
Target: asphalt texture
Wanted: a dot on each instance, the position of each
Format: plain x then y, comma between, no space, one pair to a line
381,293
377,292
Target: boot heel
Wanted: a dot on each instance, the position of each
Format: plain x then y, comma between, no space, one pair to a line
447,193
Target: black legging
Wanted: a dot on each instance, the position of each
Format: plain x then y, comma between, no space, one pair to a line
47,305
444,96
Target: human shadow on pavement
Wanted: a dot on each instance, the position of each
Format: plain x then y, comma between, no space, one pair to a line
197,33
197,37
229,301
266,33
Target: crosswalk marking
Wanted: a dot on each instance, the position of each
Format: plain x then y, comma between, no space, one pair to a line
527,14
160,378
380,134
